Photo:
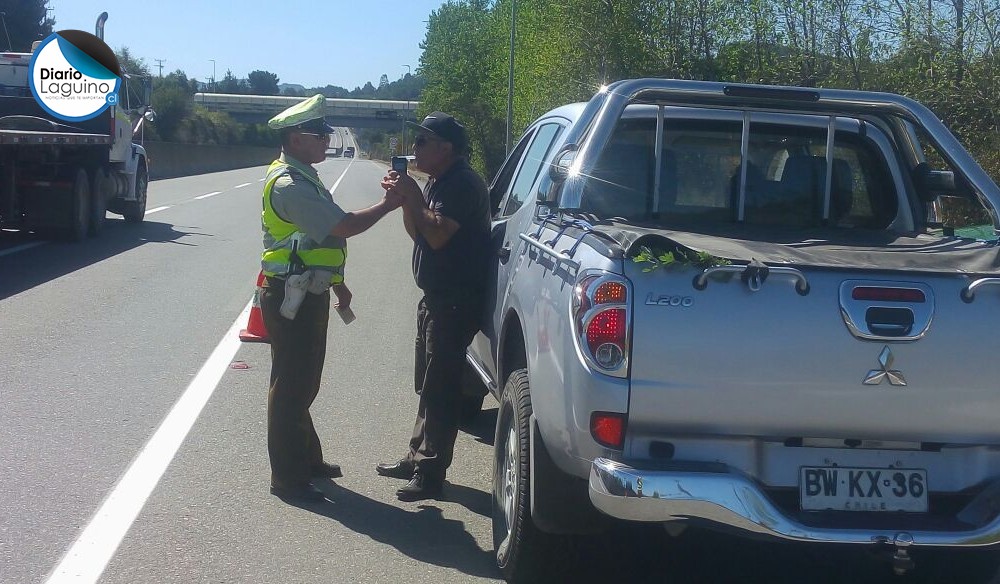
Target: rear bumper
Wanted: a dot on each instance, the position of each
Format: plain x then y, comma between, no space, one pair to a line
719,496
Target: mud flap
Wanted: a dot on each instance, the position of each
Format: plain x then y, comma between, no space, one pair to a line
560,503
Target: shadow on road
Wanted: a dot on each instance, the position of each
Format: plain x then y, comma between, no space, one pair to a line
424,535
36,265
483,427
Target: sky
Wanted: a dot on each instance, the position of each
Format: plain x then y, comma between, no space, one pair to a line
313,43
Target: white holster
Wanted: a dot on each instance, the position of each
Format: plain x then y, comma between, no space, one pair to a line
295,292
296,286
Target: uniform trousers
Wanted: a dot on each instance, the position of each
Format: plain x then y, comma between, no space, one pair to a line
298,350
446,324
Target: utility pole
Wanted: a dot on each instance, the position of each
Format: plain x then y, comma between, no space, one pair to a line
159,63
510,76
213,74
402,129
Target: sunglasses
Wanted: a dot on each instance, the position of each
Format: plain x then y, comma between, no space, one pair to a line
317,136
423,139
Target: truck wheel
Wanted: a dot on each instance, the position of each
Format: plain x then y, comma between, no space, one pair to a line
521,549
79,208
99,200
134,211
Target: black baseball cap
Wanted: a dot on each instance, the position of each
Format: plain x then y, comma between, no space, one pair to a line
445,127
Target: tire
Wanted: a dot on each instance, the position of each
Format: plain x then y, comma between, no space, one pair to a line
78,217
99,201
134,211
522,551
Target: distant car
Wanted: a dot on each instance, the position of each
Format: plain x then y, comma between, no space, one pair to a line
349,152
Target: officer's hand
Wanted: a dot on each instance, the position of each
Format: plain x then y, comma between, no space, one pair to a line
343,294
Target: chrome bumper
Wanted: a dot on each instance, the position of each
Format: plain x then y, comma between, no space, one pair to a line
730,499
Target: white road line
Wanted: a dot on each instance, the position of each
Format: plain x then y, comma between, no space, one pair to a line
241,186
209,195
22,247
334,187
157,209
90,553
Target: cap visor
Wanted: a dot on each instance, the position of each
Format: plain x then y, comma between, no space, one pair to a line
417,126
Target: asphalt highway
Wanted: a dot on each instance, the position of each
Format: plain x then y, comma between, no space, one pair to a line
132,423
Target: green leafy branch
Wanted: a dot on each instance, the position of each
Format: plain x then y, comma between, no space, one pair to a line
659,258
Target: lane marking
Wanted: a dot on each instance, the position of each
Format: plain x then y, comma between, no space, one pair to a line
342,175
209,195
22,247
242,185
90,553
157,209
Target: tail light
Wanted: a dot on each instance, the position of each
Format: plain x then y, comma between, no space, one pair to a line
601,317
608,429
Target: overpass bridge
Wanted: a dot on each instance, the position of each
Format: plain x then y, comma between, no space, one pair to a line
348,113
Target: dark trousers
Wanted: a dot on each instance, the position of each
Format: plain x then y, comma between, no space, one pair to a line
298,349
446,325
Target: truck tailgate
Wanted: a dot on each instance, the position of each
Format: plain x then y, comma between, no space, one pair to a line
729,361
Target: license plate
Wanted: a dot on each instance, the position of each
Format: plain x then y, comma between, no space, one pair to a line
862,489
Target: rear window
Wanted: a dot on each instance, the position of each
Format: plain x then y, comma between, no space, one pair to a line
701,176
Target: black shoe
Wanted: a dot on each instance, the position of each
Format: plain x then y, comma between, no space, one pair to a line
401,469
421,487
306,492
326,470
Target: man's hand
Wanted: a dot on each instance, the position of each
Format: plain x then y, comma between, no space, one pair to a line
404,186
343,294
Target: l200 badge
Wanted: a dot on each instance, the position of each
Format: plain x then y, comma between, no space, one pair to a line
669,300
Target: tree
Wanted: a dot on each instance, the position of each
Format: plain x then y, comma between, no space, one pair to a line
230,84
172,102
131,64
24,22
263,83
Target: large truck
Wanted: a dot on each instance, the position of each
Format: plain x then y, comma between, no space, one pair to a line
61,179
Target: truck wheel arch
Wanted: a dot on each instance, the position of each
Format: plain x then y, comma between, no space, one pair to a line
512,351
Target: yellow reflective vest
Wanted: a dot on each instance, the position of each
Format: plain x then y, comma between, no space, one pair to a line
279,234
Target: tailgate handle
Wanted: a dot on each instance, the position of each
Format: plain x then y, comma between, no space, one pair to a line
753,278
969,292
889,322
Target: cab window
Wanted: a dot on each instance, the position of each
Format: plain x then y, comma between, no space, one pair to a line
531,166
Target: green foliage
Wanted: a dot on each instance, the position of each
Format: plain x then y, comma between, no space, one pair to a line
172,101
565,49
230,84
677,258
131,64
263,83
24,22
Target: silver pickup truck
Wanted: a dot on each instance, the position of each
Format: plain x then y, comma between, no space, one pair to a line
758,309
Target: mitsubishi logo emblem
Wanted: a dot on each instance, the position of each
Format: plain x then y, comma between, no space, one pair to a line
875,376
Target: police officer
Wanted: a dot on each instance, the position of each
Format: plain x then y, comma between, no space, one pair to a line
303,258
450,226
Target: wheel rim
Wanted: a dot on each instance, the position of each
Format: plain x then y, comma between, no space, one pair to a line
506,494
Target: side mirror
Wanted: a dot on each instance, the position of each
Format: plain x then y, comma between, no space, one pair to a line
932,184
559,170
561,164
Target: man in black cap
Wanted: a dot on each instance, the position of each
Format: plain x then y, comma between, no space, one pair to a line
449,223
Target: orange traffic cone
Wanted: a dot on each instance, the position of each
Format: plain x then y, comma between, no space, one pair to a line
255,331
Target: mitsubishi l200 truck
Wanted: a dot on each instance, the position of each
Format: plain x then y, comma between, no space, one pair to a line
758,309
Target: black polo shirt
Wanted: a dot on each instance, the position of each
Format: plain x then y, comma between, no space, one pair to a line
461,265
